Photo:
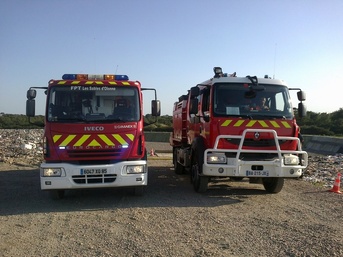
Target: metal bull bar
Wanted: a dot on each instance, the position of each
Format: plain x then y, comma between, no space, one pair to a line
233,165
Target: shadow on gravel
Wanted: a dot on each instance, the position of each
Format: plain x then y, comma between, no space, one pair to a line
20,194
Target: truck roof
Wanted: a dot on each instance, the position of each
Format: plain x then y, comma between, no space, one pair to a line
243,80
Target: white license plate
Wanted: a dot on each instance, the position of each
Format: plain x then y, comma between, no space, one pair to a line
261,173
93,171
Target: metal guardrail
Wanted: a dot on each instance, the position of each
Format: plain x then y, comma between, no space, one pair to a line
314,144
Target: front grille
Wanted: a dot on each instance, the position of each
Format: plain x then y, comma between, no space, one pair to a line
96,152
256,143
94,179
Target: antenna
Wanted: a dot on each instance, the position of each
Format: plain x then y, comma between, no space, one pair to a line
116,69
94,53
274,60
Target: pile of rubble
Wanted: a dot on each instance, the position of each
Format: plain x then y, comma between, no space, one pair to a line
323,169
24,147
21,146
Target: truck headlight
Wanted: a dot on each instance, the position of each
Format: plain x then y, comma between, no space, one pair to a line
52,172
135,169
216,158
291,159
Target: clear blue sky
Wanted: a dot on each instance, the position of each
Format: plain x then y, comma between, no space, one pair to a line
172,45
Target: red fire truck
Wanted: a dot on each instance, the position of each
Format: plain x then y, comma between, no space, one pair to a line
238,127
93,136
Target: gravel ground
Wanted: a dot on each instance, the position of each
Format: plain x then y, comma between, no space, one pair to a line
231,219
170,219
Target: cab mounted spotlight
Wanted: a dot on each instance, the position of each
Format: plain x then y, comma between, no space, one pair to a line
217,72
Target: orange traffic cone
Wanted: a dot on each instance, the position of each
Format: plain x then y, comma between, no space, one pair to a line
337,184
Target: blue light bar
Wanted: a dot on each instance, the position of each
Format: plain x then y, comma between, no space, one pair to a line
121,77
69,76
94,77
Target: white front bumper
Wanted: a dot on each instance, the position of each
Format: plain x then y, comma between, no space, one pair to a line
73,176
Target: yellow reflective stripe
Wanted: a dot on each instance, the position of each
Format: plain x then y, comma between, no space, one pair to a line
56,137
275,124
99,82
251,123
106,140
75,82
126,83
94,143
112,83
130,136
263,123
67,140
82,140
285,123
238,123
226,123
119,139
89,82
61,82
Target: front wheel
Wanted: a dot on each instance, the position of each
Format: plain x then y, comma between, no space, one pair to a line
178,168
56,194
200,183
273,185
138,190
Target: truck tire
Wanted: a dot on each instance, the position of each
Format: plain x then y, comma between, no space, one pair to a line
56,194
273,185
178,168
138,190
200,182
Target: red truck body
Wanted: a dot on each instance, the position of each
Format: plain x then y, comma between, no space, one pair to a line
93,134
219,131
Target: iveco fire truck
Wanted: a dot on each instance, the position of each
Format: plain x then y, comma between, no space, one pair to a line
238,127
93,136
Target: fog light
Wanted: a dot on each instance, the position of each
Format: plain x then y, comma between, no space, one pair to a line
220,170
291,171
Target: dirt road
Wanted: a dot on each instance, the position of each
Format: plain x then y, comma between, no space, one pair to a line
231,219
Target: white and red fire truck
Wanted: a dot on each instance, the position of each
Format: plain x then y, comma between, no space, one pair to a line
93,135
238,127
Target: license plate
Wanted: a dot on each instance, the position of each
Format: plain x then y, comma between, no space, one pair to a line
92,171
262,173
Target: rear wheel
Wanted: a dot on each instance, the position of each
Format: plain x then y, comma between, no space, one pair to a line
273,185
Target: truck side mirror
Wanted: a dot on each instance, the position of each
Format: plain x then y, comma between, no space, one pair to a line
155,108
195,91
193,106
31,94
301,95
30,108
302,110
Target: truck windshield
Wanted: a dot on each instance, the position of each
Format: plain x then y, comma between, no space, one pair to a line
269,101
93,104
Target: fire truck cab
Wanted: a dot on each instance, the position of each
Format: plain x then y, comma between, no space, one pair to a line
93,135
238,127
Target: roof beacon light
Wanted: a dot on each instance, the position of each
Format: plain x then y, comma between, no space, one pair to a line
94,77
69,76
